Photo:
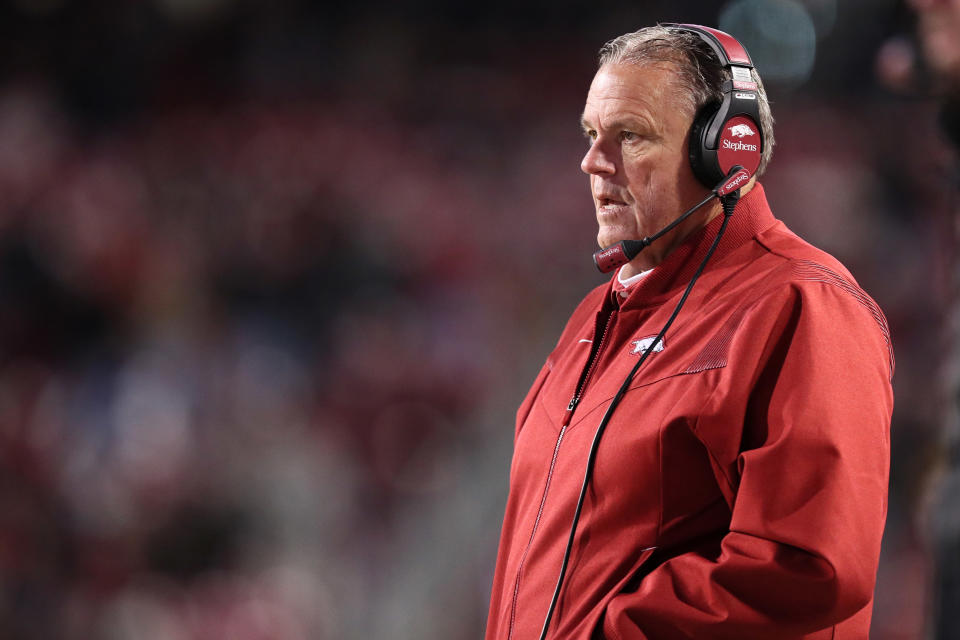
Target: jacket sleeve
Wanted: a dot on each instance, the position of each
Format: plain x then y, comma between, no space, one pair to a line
805,473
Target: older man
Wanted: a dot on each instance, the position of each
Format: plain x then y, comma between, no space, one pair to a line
737,487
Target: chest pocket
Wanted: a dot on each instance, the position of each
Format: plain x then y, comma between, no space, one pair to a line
689,348
686,351
714,354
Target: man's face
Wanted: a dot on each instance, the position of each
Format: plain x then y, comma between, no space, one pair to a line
637,124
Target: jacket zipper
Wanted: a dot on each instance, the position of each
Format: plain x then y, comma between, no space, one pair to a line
568,415
585,378
536,523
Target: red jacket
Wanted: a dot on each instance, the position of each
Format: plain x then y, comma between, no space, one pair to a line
740,489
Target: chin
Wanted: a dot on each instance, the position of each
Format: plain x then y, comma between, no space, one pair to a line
609,238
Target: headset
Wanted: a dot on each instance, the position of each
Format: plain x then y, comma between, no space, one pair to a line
728,133
726,144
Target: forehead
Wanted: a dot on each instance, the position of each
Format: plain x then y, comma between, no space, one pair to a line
624,90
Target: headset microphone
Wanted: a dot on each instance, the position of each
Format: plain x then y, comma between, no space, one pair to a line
626,250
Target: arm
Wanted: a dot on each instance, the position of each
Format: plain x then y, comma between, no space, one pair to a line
807,481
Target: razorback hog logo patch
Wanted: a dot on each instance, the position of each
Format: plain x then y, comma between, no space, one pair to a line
741,130
641,345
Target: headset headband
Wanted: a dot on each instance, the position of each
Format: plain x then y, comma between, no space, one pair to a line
727,48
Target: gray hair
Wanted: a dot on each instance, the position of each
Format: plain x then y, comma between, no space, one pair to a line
700,76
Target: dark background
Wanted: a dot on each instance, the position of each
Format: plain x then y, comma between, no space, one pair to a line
275,275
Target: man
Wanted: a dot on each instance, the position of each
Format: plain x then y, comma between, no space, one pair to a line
739,489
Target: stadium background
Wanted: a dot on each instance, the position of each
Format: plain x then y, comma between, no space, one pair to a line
275,275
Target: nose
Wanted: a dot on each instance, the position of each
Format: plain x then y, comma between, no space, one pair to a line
597,160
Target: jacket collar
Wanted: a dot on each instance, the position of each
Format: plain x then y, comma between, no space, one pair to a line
751,216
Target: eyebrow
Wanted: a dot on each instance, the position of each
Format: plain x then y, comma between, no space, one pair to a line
630,122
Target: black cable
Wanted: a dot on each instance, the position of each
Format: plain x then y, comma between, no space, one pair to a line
630,249
729,202
647,241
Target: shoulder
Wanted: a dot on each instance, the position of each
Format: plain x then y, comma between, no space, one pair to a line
587,308
581,320
814,288
810,271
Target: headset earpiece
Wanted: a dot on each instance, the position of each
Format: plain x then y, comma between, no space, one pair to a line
727,133
704,168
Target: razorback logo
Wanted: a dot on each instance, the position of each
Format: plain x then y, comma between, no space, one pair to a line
741,130
641,345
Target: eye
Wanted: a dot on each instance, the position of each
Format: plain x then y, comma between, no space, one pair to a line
590,135
628,136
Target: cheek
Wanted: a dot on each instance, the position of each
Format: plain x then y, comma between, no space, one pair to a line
652,162
646,179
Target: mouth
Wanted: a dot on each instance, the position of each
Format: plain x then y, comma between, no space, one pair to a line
609,204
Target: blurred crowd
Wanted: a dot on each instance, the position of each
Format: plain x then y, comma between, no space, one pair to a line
260,348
